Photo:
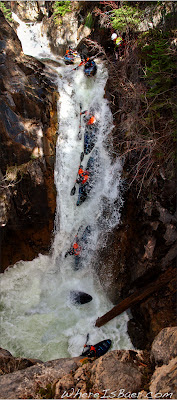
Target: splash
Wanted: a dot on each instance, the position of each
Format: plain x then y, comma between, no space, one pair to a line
38,318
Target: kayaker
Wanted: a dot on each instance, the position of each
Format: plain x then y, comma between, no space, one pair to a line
83,175
91,117
83,61
119,44
75,250
69,53
91,349
89,62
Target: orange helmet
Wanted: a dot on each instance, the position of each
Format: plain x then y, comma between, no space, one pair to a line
75,245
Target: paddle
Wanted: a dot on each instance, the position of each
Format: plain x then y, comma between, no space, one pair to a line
74,187
79,136
87,338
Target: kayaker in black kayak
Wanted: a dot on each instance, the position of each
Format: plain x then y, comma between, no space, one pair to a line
91,350
83,175
75,250
88,117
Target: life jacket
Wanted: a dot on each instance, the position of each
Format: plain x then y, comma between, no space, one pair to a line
92,120
85,179
92,348
118,41
76,249
81,172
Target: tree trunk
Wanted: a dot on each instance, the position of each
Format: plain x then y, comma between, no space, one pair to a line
136,297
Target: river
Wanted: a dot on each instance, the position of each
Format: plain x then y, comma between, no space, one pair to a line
38,318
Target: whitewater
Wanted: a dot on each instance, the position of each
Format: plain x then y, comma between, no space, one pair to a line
38,318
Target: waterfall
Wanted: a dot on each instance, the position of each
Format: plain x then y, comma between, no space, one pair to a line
38,318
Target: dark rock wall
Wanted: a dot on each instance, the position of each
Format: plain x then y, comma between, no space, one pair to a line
144,245
28,118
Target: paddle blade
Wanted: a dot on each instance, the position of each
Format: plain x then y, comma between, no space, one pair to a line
87,338
73,190
79,136
82,156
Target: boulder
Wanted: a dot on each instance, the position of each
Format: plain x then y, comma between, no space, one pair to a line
164,381
116,370
164,346
9,364
35,379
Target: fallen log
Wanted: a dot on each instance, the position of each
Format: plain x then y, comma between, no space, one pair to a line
136,297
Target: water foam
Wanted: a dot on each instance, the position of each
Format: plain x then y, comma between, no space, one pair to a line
38,319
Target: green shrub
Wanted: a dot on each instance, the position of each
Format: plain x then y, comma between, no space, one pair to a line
89,20
7,13
160,68
60,9
125,16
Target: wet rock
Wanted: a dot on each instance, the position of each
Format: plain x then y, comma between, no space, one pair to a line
9,364
28,118
65,384
119,373
62,35
170,234
28,11
164,346
135,330
164,380
117,369
35,379
133,255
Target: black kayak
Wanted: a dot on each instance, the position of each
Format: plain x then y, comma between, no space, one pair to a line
90,68
77,297
82,242
101,348
90,137
92,167
68,59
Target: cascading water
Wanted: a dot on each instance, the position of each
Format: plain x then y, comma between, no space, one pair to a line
38,317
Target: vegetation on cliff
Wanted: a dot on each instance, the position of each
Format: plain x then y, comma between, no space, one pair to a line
6,11
143,86
60,9
141,90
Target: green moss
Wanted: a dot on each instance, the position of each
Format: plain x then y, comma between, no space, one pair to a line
7,13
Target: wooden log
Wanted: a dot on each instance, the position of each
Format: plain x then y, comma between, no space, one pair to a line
136,297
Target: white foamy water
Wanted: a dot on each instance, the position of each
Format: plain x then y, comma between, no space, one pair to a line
38,318
33,38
